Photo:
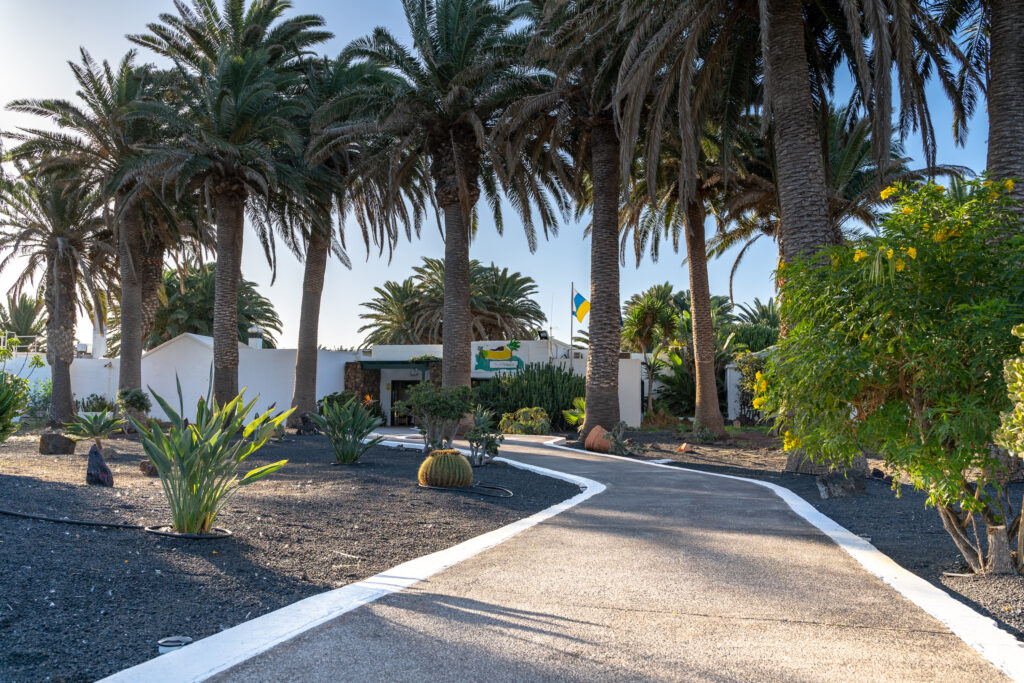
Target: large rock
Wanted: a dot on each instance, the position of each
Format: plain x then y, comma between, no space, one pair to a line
596,442
838,485
798,462
97,473
55,443
148,468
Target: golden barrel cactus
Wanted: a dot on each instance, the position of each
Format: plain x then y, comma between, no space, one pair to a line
446,468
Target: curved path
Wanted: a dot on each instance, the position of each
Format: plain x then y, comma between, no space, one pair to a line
663,576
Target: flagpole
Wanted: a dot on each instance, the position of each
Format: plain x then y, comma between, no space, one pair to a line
572,302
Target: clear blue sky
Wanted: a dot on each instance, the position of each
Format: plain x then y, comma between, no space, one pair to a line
38,37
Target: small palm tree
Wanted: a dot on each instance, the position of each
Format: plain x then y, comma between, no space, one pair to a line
648,324
22,318
758,313
51,226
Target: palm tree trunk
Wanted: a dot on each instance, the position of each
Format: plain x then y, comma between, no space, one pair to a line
455,329
605,327
152,285
230,214
129,255
60,340
800,169
304,393
707,410
650,384
1006,93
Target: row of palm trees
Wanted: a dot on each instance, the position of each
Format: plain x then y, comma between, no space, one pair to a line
648,114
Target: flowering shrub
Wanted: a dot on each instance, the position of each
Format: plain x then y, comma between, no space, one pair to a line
896,348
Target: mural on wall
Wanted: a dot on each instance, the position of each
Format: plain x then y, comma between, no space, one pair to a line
498,358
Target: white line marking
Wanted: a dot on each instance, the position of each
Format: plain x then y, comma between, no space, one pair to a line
221,651
981,633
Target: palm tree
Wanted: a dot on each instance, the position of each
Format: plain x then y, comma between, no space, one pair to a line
648,323
412,312
51,224
571,124
21,318
460,74
99,137
748,208
994,64
758,313
230,129
690,52
188,302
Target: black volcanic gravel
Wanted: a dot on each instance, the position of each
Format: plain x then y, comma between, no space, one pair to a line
79,603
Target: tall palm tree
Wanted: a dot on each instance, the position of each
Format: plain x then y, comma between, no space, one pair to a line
689,52
51,224
758,313
99,137
393,314
231,128
748,206
990,31
462,71
648,323
572,125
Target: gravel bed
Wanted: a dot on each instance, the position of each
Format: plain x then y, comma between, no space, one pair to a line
79,603
902,528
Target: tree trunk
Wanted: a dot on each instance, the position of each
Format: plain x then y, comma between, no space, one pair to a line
455,327
800,169
605,323
152,285
129,251
707,411
650,385
1006,93
999,559
304,393
230,214
60,339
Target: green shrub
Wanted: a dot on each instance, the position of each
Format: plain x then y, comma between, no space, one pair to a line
548,386
343,397
754,336
619,444
346,425
483,439
198,463
896,347
526,421
749,366
577,415
13,403
134,400
95,426
437,412
94,403
39,398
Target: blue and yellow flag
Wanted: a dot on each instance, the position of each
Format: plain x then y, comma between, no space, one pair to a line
580,306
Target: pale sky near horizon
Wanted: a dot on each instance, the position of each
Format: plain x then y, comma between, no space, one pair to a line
38,38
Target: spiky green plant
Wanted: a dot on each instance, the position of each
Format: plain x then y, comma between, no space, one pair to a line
446,468
95,426
576,415
13,403
548,386
198,462
347,425
526,421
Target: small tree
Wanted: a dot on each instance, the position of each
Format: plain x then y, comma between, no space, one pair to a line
437,412
898,350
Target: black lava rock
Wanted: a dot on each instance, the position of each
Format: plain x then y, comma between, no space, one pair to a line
97,473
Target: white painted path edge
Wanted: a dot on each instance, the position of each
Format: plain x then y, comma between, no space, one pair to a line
221,651
981,633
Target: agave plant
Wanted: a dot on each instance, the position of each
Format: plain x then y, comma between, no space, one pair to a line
198,462
347,425
95,426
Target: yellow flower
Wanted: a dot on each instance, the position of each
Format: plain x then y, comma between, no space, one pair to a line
1008,185
911,252
789,442
906,210
888,192
926,226
900,265
889,253
758,402
859,254
758,376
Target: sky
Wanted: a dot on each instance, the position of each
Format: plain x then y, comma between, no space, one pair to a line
38,38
